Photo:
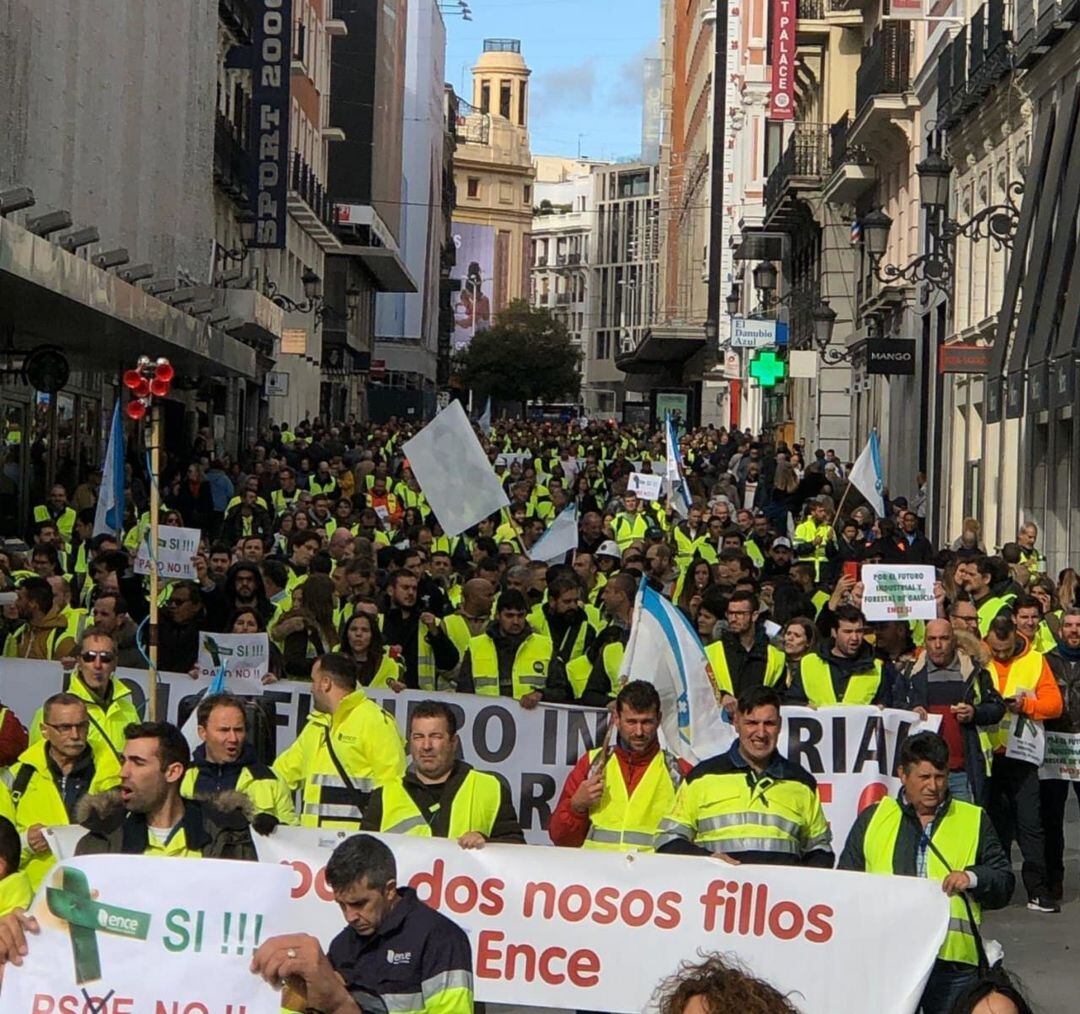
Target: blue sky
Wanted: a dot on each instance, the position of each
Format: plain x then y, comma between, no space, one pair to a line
585,57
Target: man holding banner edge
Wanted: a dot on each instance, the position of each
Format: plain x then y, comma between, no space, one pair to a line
750,804
926,833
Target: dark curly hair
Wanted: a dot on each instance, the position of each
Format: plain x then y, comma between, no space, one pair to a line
998,982
724,985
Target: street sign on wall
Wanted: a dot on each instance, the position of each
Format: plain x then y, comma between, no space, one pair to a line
755,334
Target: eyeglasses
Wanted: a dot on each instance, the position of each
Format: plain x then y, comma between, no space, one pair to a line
67,728
93,656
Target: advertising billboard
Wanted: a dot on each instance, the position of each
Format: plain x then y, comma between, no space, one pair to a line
475,270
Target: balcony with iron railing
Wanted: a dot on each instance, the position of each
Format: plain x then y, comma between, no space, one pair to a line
883,87
309,200
471,126
1038,30
237,17
802,167
976,59
232,166
851,170
885,65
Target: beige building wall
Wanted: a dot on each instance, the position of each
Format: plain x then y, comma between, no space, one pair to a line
988,153
493,167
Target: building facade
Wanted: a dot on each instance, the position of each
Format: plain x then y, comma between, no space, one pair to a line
626,274
494,176
107,229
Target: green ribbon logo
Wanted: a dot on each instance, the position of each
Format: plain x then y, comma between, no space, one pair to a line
86,917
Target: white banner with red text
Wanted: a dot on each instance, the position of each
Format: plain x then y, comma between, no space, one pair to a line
598,931
851,751
107,921
531,751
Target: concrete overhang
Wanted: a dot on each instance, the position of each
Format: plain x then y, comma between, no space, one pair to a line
662,348
263,318
384,265
49,296
848,183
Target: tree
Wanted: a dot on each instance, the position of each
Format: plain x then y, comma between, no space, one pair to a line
526,355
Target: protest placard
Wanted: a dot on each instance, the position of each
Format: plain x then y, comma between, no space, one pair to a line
175,549
106,921
454,472
244,658
646,486
1027,740
898,593
554,927
1061,758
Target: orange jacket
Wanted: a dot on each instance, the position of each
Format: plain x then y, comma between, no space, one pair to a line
1047,702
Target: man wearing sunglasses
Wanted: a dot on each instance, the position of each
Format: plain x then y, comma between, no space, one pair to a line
51,777
109,707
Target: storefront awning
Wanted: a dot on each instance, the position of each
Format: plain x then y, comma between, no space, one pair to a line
50,296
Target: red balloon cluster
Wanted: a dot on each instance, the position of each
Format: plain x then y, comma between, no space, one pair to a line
148,380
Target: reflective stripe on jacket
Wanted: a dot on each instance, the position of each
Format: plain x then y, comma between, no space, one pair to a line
622,823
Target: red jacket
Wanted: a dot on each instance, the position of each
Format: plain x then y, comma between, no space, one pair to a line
568,828
13,739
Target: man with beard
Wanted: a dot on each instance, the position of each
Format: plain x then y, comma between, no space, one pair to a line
562,618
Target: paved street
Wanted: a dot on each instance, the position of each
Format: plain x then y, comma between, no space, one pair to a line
1043,949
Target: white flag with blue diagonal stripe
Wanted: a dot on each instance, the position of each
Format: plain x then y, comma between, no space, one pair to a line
867,477
678,493
665,650
109,516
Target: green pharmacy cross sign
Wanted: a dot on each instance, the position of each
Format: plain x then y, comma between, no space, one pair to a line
767,368
74,903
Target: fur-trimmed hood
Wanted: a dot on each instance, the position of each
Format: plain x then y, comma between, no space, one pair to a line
105,810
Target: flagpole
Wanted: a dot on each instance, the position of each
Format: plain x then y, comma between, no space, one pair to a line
840,506
155,512
635,626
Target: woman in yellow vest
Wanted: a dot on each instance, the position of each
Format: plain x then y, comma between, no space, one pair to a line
361,639
926,833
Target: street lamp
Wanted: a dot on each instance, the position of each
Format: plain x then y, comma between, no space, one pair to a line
997,222
934,172
875,233
734,300
246,221
765,279
824,317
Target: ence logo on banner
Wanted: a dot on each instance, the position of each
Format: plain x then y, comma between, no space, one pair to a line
74,903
